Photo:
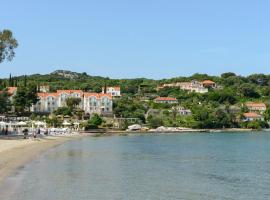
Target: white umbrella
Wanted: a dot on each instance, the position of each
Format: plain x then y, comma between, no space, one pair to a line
3,123
40,123
65,123
21,124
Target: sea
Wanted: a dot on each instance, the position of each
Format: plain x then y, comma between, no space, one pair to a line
188,166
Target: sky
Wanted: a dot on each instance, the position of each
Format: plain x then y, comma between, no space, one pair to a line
138,38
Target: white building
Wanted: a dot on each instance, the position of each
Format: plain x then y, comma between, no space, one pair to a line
193,86
168,100
97,103
90,102
114,91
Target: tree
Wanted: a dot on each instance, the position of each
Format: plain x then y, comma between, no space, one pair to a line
227,74
94,122
258,79
73,102
4,102
25,98
154,122
222,96
267,114
20,100
32,97
63,111
248,90
7,45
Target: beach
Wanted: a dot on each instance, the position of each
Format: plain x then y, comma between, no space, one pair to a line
15,152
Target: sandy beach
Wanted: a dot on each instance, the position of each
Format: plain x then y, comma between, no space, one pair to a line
15,151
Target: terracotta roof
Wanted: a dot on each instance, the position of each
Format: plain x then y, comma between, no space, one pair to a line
11,90
45,95
251,115
208,82
252,104
97,95
166,99
69,91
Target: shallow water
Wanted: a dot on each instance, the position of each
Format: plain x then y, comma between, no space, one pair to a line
150,167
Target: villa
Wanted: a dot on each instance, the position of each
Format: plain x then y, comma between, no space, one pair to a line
256,107
90,102
114,91
252,117
193,86
209,84
12,91
181,111
169,100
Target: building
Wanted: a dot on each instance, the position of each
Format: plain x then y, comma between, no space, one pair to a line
43,88
90,102
97,103
12,91
256,107
114,91
192,86
181,111
169,100
209,84
252,117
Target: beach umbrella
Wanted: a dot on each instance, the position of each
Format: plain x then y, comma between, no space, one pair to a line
21,124
3,123
65,123
38,123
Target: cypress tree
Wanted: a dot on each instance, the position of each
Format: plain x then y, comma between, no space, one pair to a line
25,80
10,80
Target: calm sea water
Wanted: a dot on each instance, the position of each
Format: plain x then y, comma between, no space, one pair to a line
150,167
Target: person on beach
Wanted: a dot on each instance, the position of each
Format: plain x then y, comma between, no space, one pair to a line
35,133
6,131
46,132
25,133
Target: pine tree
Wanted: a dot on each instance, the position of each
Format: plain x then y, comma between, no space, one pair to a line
25,80
10,80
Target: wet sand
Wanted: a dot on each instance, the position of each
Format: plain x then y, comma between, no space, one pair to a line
16,152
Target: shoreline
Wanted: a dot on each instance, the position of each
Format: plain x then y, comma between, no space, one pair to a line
16,152
228,130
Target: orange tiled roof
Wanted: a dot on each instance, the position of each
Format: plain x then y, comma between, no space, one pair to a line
251,115
69,91
11,90
208,82
252,104
166,99
97,95
45,95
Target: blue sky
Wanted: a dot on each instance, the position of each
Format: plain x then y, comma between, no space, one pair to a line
138,38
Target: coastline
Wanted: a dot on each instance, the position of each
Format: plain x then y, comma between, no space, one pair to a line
16,152
168,130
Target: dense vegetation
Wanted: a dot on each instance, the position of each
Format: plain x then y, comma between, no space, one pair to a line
209,110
